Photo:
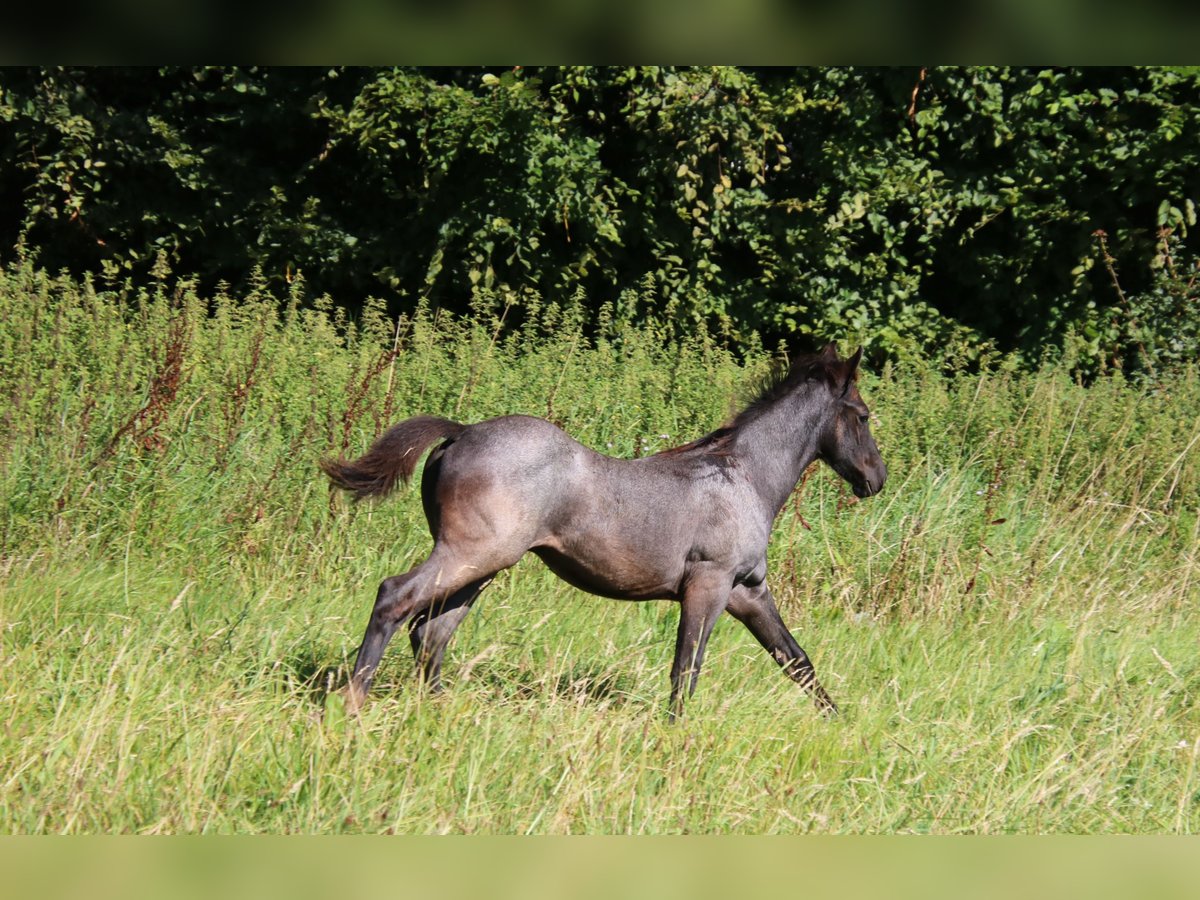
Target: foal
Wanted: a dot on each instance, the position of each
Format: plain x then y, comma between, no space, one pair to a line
688,524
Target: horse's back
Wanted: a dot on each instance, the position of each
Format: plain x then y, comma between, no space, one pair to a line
514,445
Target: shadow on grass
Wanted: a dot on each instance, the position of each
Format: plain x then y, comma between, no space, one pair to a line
308,673
312,674
579,684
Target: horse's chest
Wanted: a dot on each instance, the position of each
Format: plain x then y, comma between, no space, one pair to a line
739,546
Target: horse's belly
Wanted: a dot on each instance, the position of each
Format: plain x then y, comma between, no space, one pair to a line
618,577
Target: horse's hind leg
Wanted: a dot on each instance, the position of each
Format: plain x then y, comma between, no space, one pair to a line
400,598
431,631
755,608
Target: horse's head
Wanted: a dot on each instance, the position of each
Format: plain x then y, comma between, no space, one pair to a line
846,443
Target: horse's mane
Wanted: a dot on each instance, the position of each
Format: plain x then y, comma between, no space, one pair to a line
772,387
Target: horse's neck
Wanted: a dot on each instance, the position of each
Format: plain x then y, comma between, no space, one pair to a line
777,446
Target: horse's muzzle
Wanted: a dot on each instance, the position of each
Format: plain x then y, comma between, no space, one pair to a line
871,484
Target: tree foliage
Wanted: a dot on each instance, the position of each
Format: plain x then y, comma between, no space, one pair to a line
960,211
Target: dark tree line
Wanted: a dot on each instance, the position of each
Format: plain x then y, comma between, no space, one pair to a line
944,210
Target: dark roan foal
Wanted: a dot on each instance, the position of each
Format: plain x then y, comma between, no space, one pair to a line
688,524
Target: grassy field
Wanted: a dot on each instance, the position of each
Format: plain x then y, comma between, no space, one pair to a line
1010,628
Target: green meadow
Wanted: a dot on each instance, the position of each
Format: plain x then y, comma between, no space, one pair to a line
1010,628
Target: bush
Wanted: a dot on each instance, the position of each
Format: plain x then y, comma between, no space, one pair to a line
917,211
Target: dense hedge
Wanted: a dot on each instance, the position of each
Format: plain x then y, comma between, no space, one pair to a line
959,211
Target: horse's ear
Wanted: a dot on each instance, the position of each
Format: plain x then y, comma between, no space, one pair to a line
853,361
829,354
852,369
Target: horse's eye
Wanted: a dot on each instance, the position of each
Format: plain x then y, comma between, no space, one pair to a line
864,419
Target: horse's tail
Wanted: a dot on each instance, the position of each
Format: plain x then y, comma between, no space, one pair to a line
392,457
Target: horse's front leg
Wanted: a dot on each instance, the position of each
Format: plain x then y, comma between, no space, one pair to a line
755,608
704,599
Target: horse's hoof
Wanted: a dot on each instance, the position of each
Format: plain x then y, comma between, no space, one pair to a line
352,698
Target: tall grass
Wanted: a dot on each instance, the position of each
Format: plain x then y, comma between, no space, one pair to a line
1010,627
